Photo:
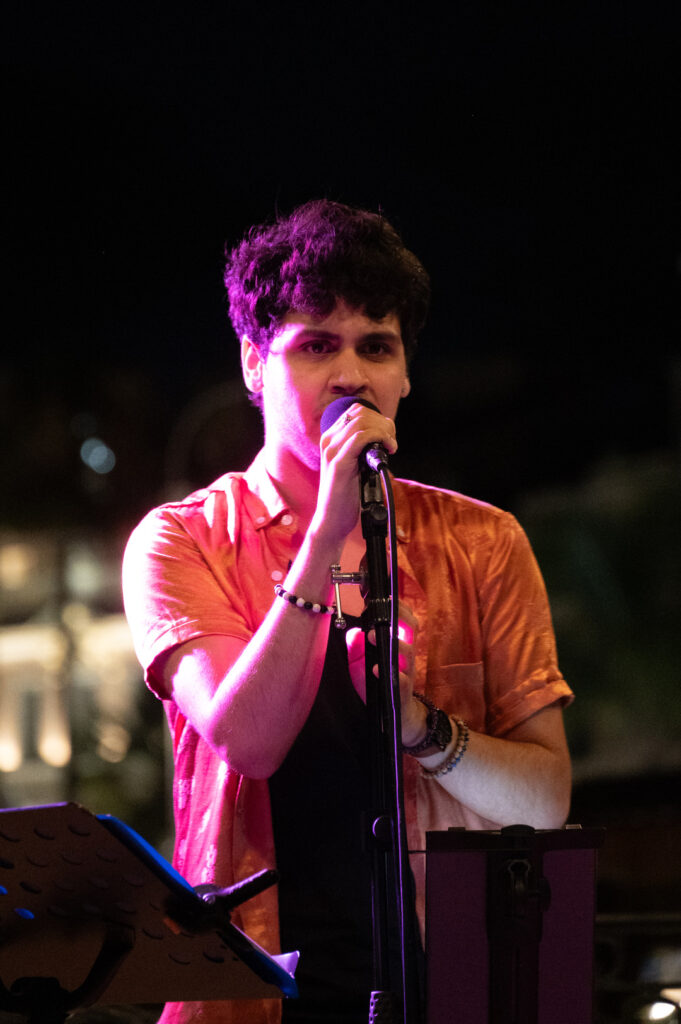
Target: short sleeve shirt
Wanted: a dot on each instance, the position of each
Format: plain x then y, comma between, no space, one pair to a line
485,652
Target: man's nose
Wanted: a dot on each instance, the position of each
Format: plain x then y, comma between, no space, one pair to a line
348,375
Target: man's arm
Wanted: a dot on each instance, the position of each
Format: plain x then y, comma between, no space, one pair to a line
250,701
523,778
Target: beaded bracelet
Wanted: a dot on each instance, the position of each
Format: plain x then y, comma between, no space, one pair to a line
455,756
300,602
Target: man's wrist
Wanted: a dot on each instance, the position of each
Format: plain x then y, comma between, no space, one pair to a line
438,731
414,723
452,756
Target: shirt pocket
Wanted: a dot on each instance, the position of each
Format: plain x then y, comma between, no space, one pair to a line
460,691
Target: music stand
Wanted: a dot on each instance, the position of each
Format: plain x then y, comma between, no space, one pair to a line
510,925
90,913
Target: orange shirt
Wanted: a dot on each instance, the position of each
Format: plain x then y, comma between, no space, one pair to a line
485,651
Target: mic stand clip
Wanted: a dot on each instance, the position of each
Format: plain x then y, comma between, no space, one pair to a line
337,578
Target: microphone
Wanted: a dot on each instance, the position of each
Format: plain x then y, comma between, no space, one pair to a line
374,455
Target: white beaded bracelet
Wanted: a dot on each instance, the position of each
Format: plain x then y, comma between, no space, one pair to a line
300,602
455,756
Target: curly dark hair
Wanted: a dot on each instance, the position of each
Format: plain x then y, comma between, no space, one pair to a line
324,251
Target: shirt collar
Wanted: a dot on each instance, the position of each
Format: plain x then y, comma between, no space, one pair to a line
262,499
265,503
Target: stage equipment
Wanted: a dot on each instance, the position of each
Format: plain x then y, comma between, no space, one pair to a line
90,913
394,998
510,925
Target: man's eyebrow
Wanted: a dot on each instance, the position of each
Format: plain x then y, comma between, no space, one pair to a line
381,334
317,331
384,334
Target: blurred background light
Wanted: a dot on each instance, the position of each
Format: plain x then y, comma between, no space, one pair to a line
83,572
114,742
97,455
11,748
54,739
16,562
660,1011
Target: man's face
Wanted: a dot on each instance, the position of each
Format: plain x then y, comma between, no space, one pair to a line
311,362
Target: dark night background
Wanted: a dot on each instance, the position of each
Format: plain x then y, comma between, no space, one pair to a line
530,156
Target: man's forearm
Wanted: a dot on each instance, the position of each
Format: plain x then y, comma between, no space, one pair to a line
521,779
250,703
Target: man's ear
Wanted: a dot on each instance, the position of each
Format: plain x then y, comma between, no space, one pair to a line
251,365
406,388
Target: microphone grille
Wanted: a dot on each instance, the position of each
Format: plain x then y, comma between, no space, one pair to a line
336,409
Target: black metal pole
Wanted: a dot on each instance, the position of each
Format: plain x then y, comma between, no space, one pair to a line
394,998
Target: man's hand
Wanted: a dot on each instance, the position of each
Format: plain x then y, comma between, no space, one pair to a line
340,448
413,712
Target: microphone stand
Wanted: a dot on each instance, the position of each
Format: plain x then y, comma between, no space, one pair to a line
392,999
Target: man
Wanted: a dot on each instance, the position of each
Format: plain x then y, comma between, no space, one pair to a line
264,700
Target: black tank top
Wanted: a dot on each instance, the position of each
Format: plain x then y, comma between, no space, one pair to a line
319,799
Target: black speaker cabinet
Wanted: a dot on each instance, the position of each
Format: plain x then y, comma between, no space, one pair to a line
510,925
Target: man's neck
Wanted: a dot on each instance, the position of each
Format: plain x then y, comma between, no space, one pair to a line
297,483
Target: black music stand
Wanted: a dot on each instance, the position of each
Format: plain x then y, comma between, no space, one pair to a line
90,913
510,925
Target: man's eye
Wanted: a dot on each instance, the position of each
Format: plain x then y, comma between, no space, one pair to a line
377,348
316,348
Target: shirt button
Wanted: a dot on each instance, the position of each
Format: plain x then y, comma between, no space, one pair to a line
260,520
287,519
277,575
